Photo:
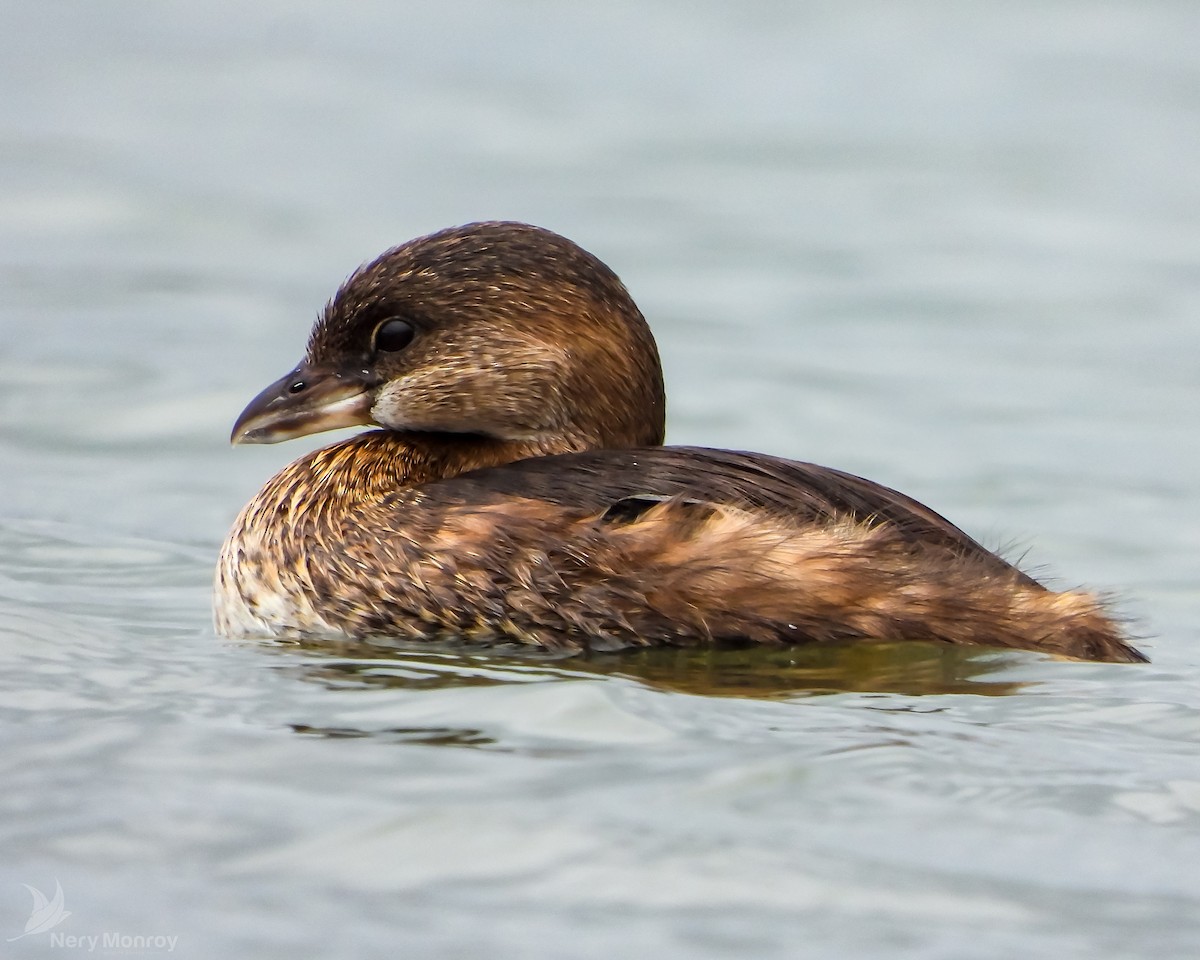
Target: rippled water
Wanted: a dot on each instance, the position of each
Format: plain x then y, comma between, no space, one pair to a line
950,247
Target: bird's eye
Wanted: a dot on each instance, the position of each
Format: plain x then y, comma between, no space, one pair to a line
393,335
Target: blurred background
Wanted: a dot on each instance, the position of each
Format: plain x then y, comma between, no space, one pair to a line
954,248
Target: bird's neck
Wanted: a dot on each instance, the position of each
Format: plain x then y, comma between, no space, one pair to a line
371,465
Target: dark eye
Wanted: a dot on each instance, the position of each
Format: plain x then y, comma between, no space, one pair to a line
393,335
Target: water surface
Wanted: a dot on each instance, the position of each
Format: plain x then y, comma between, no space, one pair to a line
951,248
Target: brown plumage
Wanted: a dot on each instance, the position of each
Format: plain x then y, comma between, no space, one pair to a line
518,492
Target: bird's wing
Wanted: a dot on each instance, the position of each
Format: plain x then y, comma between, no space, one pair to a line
617,481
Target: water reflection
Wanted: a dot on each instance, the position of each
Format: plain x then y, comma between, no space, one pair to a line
430,736
910,668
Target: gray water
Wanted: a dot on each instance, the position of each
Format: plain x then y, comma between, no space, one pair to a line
953,247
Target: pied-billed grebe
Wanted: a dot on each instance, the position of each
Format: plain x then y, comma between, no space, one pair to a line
519,492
